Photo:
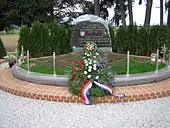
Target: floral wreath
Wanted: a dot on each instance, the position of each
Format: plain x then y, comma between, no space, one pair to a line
90,76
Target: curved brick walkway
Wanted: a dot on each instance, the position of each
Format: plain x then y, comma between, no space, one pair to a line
61,94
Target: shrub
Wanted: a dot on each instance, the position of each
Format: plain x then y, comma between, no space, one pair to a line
140,40
131,38
44,39
38,35
24,38
120,39
112,35
2,50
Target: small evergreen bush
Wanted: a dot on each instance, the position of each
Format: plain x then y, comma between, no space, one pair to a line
43,39
140,40
24,39
120,39
2,50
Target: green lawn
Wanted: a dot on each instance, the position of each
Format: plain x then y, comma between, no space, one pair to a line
135,67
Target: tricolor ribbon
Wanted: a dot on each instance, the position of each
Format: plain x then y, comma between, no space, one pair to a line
85,92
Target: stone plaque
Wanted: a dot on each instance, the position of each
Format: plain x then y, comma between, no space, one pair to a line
93,29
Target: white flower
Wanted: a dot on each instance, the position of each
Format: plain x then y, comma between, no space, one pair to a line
87,64
97,53
85,53
94,56
97,77
94,65
94,61
88,55
85,72
89,76
90,62
90,67
89,70
94,68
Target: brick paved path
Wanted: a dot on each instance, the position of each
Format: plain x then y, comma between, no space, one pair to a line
61,94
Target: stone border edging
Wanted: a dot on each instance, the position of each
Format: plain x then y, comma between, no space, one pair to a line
63,80
60,94
39,78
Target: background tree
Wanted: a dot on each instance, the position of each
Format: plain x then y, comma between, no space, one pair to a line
16,12
97,7
120,9
168,7
130,12
148,13
161,12
87,7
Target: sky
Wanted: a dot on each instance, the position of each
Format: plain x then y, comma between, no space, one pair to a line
139,13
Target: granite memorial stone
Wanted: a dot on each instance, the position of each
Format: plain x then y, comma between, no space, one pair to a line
91,28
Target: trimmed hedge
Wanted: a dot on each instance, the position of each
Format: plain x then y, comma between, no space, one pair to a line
2,50
44,39
139,40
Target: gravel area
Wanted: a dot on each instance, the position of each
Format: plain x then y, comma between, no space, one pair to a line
20,112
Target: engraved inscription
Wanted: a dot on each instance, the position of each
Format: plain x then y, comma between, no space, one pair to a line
90,31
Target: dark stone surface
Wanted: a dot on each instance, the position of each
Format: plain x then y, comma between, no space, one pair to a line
90,31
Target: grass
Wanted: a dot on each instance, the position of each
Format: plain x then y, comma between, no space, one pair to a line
43,69
136,67
119,69
46,70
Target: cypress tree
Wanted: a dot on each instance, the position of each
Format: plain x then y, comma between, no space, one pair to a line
2,50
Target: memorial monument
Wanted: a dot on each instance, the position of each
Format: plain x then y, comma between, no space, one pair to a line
91,28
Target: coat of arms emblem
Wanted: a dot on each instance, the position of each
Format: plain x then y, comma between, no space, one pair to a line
82,33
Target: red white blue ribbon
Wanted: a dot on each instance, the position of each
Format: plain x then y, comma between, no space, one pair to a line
85,92
110,90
